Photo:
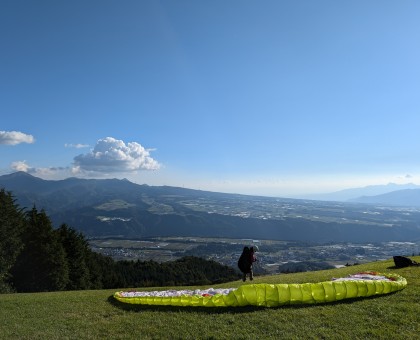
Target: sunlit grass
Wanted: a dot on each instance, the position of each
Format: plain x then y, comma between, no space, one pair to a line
95,315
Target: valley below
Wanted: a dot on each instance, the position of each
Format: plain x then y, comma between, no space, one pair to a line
128,221
273,256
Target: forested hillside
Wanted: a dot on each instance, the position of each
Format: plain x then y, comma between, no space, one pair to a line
36,257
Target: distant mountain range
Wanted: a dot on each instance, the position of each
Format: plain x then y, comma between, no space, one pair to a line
391,193
120,208
405,197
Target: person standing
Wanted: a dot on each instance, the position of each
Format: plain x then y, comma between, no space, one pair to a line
245,262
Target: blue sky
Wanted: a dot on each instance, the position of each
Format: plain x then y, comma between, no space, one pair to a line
278,98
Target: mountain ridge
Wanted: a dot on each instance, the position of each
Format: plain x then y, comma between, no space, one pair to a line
352,194
404,197
120,208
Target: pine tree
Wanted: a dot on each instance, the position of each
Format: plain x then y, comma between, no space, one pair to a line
42,265
11,227
77,252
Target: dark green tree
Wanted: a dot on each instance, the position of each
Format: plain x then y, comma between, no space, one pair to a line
42,265
77,251
96,267
12,222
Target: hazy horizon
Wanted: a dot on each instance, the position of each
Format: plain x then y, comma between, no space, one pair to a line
340,195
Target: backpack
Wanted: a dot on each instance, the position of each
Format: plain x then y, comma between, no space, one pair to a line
401,262
243,262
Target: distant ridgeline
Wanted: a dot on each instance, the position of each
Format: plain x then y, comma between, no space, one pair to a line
112,207
35,257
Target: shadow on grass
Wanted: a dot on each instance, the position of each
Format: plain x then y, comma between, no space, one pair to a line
229,310
412,266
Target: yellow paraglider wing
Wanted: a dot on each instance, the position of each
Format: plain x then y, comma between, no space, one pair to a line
273,295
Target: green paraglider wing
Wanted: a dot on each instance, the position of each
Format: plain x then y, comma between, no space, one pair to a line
273,295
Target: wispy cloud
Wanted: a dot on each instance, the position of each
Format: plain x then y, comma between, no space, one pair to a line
41,172
15,137
113,155
22,166
76,146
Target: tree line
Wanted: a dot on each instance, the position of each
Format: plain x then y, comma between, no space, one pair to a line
36,257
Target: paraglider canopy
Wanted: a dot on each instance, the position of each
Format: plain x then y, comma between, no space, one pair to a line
272,295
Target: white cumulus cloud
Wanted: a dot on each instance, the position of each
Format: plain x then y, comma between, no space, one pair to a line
15,137
113,155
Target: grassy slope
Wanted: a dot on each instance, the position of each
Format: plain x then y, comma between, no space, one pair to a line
94,314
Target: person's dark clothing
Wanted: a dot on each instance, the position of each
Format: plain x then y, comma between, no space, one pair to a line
245,262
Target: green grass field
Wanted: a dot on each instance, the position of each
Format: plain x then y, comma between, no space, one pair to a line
96,315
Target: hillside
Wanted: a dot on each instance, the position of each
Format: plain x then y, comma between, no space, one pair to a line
119,208
405,197
94,314
371,190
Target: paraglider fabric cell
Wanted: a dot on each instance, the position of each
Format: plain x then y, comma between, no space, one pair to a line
272,295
